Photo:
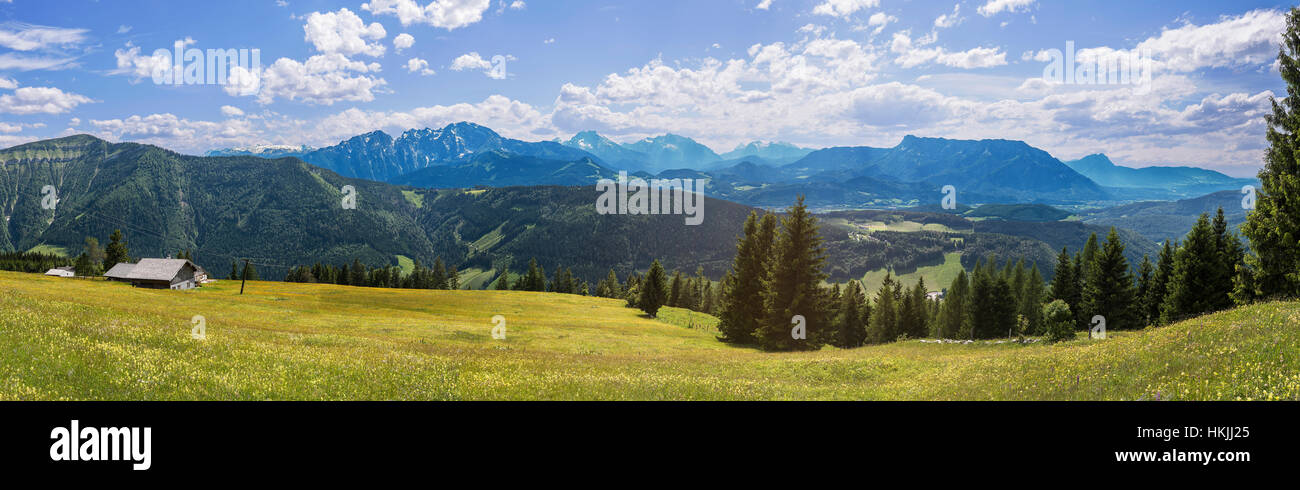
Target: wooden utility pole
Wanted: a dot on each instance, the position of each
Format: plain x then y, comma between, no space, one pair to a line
243,277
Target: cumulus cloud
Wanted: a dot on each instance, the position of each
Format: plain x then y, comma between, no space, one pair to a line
843,8
764,5
231,111
173,132
879,20
473,61
415,65
7,83
323,79
447,14
132,63
41,100
344,33
911,54
403,41
993,7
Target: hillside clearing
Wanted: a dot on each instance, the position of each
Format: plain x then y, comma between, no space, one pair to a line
81,339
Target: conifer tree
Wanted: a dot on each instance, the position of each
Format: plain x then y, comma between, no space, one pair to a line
1194,266
742,307
1145,281
1273,227
1031,301
1109,291
438,279
116,251
503,279
794,284
654,290
884,314
1155,298
952,311
852,317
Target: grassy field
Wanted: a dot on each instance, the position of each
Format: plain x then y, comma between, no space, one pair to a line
936,277
82,339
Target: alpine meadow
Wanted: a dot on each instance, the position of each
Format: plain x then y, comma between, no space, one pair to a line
752,200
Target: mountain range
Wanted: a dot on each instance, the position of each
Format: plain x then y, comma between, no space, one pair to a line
759,173
283,212
1155,182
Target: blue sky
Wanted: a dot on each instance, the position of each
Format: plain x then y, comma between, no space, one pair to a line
812,72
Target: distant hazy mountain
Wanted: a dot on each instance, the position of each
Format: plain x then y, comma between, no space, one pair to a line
262,151
778,153
1170,220
983,171
377,156
501,169
1156,182
673,151
614,154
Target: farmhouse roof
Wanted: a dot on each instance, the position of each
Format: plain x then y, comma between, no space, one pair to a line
120,271
157,269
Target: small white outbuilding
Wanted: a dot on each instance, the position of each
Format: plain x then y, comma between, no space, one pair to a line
61,272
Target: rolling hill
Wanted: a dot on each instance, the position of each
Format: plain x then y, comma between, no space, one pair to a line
96,340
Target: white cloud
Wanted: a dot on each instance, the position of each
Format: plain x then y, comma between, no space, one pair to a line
764,5
910,54
123,29
403,41
40,100
549,41
1245,40
518,5
473,61
949,20
231,111
344,33
29,37
323,79
173,132
414,65
994,7
11,61
8,83
447,14
131,62
879,20
843,8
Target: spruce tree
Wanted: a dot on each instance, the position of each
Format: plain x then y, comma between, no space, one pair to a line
853,314
503,279
653,290
234,271
794,284
1031,301
1155,298
952,310
1194,266
116,251
884,314
1109,291
1274,226
742,308
1145,281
